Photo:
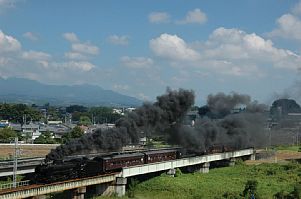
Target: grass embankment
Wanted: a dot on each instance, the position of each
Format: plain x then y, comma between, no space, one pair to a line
294,148
271,178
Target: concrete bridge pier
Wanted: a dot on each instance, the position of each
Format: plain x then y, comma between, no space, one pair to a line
104,189
120,186
253,156
79,193
232,162
171,172
205,167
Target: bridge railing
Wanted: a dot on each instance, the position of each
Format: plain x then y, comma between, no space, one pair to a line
11,184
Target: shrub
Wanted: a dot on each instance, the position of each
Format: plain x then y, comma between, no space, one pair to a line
271,171
178,172
231,195
290,166
239,161
296,193
250,189
132,185
281,195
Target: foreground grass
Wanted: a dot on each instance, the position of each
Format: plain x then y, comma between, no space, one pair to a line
271,178
295,148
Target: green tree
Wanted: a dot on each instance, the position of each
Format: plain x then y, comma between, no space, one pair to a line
84,120
54,113
75,133
7,135
27,137
104,115
77,115
76,108
44,138
16,113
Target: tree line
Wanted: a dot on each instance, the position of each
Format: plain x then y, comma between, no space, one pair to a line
20,113
81,115
8,135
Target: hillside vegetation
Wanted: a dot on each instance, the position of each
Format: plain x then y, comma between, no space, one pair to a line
227,182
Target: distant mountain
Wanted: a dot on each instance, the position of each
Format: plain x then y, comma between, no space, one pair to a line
29,91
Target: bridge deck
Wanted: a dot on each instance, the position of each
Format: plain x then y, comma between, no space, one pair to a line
35,190
161,166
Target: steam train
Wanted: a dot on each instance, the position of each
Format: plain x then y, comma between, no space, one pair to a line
60,170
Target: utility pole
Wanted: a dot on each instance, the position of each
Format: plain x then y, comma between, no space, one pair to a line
298,135
270,138
15,163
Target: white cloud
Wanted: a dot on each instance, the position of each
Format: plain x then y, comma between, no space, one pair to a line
227,51
172,47
158,17
35,64
35,55
143,97
7,4
85,48
232,68
75,56
119,40
31,36
79,50
71,37
289,26
236,48
121,87
74,65
136,62
8,43
297,8
194,16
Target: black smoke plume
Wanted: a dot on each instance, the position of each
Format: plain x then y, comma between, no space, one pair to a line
168,110
222,127
222,104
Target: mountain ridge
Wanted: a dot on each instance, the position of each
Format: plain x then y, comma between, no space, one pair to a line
20,90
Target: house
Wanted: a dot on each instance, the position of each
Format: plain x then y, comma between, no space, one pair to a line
4,123
54,122
57,130
31,130
16,127
118,111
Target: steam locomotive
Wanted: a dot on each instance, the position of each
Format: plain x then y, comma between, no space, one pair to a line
60,170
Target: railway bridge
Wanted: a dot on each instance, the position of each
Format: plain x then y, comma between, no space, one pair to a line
116,182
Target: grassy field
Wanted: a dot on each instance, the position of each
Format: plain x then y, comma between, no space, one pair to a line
295,148
26,150
271,178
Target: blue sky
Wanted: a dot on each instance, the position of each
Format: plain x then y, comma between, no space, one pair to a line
139,48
